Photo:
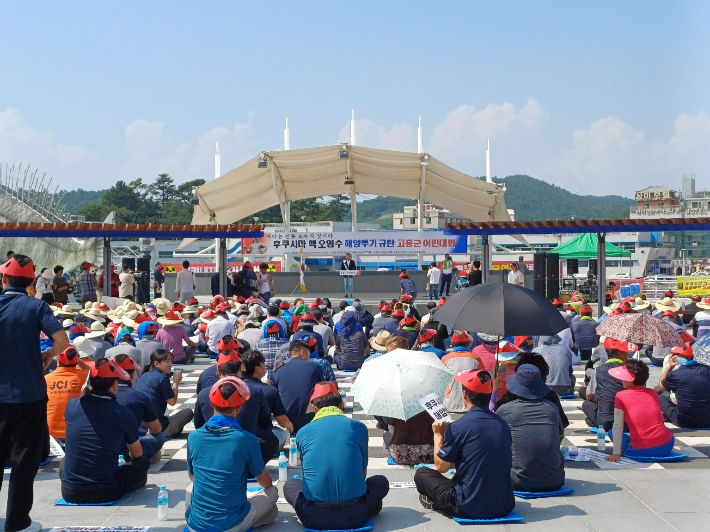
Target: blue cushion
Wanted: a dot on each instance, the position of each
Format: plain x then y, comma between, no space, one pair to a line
255,489
543,494
512,516
62,502
251,479
673,457
368,526
571,396
390,461
351,371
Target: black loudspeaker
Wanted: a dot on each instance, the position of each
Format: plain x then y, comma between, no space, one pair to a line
572,266
128,261
539,267
143,264
593,266
539,286
553,288
553,266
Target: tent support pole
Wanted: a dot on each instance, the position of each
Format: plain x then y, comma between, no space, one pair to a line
601,272
107,266
420,210
485,258
222,265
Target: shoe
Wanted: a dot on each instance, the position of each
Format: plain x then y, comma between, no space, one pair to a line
268,518
34,527
589,422
155,458
426,502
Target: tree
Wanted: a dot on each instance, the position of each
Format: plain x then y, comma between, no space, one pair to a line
163,189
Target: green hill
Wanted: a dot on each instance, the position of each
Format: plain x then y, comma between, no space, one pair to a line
534,199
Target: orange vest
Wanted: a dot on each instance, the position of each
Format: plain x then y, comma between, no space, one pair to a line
62,385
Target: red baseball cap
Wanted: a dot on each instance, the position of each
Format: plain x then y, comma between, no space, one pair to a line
216,300
585,309
685,351
408,320
239,397
226,346
403,274
669,293
426,334
520,340
284,305
621,373
441,302
179,307
618,345
471,380
460,336
273,328
228,356
310,340
405,298
557,302
111,371
69,356
240,299
78,329
12,267
399,313
202,328
324,388
668,314
127,364
386,308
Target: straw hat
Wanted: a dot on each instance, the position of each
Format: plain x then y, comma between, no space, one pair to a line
641,304
378,341
84,347
67,323
97,330
668,304
118,316
170,318
206,317
704,304
189,310
162,305
65,312
47,274
129,318
93,314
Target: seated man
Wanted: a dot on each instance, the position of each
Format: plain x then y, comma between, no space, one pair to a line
409,329
295,381
585,334
560,358
254,369
479,446
460,358
334,492
210,375
220,458
426,337
63,384
536,429
142,409
602,388
147,342
127,345
98,429
326,370
229,364
689,381
383,319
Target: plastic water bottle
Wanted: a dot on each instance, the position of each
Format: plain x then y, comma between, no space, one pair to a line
293,453
283,467
121,460
163,504
601,438
344,396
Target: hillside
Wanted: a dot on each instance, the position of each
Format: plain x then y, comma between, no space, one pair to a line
76,199
534,199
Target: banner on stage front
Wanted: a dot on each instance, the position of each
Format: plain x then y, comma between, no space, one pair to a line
694,285
359,243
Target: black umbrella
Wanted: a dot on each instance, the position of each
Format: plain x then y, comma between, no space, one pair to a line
501,309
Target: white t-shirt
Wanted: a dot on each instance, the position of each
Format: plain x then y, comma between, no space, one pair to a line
434,274
263,282
127,282
184,282
516,277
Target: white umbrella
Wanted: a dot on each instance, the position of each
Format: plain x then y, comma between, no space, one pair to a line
392,384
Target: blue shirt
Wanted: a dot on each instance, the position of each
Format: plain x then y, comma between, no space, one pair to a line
336,475
22,318
480,444
98,429
220,455
295,381
156,386
207,379
408,286
438,352
247,417
139,404
690,384
318,338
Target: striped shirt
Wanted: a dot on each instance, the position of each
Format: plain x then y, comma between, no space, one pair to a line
87,283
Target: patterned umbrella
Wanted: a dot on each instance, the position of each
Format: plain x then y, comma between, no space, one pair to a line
701,350
392,384
640,329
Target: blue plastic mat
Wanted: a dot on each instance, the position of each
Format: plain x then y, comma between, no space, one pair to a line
62,502
673,457
251,480
696,428
543,494
571,396
390,461
253,490
368,526
352,371
512,516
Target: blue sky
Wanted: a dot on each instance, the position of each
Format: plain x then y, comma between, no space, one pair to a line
600,97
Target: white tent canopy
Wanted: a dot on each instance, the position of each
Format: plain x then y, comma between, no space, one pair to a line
313,172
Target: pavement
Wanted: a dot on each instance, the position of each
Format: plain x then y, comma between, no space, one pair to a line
643,497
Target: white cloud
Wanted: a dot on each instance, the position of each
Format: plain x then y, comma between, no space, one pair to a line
149,151
611,157
21,142
400,137
465,130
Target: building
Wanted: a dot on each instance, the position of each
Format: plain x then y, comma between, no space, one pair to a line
656,202
433,218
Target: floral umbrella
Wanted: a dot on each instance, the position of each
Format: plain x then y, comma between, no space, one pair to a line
640,329
392,384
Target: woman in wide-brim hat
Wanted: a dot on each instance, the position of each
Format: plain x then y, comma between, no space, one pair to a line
667,303
377,342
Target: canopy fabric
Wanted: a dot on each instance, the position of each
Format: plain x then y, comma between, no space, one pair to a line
313,172
584,246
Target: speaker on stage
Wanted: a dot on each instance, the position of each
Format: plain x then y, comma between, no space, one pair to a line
593,266
539,267
539,286
553,266
143,264
128,261
572,266
553,288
